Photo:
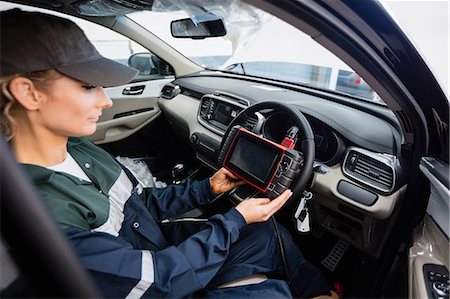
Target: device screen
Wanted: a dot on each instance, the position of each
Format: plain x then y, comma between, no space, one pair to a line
253,158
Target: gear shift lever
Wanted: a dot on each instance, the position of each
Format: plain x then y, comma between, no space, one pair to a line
178,174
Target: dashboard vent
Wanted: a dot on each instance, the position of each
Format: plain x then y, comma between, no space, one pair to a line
206,107
370,171
169,91
250,122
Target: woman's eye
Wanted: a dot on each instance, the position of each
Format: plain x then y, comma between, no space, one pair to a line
89,87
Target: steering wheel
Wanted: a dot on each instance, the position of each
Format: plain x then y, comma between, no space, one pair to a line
306,137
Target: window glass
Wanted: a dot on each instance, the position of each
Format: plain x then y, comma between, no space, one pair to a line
109,43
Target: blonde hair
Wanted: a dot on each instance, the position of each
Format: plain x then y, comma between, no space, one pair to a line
8,103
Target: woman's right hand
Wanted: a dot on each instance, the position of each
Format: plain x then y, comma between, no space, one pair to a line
260,209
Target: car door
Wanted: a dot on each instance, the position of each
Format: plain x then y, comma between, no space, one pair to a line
429,253
134,126
135,105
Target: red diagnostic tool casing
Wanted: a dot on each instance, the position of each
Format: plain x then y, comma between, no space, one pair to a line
267,166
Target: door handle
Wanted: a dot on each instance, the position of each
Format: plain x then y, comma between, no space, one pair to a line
133,90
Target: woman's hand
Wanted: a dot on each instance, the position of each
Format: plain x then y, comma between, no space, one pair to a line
260,209
223,180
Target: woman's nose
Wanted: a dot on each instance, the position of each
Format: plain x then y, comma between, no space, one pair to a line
104,101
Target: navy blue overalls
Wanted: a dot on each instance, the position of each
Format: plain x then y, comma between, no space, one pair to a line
114,226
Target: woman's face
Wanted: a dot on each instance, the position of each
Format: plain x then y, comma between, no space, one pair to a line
72,108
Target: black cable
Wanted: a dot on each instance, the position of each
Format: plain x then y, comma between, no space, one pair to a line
283,257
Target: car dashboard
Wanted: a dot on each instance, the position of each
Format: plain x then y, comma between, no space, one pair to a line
357,173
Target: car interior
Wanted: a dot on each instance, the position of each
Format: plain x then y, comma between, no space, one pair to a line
360,210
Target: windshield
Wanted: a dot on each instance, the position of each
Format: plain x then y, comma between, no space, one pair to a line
253,46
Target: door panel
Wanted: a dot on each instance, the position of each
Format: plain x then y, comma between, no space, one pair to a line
430,250
438,205
417,283
134,106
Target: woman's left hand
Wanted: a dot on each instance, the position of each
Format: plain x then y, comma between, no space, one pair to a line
223,180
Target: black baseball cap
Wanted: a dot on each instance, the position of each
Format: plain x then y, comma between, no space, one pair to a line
34,41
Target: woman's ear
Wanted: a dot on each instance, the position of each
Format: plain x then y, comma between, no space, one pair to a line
25,92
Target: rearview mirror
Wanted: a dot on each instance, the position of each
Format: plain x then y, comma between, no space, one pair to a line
186,28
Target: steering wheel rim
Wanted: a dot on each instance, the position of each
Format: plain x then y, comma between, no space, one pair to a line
306,138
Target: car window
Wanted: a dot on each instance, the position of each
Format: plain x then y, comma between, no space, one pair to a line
120,48
110,44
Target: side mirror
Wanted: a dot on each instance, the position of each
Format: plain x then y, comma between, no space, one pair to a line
149,64
186,28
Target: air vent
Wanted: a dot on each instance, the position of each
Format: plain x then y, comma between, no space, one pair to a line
250,123
206,107
369,171
206,102
169,91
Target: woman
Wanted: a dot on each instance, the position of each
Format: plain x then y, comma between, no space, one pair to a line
52,94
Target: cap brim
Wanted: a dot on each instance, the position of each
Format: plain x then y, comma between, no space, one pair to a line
102,71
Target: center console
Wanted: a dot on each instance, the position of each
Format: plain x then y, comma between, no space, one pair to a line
216,111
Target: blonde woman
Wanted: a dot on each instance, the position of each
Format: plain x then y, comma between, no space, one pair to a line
52,95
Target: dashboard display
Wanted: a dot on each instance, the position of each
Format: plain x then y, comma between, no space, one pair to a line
217,111
224,114
326,142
